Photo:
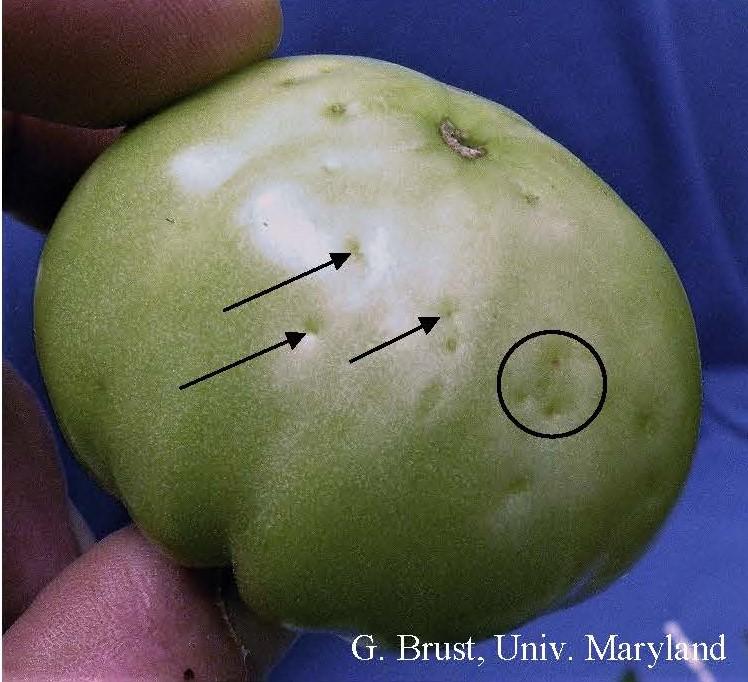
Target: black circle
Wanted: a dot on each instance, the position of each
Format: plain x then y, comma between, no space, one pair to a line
557,332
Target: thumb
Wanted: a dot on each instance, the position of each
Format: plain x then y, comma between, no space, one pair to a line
123,611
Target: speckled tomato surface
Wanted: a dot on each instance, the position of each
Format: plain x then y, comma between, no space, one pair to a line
391,495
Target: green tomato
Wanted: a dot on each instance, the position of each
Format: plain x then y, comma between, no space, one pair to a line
393,494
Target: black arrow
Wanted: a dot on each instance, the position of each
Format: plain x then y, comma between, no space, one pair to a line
427,324
292,339
336,259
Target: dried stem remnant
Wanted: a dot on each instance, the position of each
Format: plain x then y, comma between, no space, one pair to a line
455,140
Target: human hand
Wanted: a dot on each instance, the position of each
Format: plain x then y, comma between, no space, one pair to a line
123,610
103,65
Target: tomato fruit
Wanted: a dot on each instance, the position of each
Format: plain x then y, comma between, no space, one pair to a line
393,494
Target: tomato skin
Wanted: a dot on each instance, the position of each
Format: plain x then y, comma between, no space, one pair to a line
391,495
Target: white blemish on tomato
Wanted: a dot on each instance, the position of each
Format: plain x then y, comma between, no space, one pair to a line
282,229
203,168
331,165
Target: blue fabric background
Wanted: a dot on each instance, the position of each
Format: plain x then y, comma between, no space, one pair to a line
653,96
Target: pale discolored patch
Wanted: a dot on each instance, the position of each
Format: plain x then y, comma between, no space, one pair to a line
203,168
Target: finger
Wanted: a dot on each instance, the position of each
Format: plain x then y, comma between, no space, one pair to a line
123,611
42,161
103,63
37,539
